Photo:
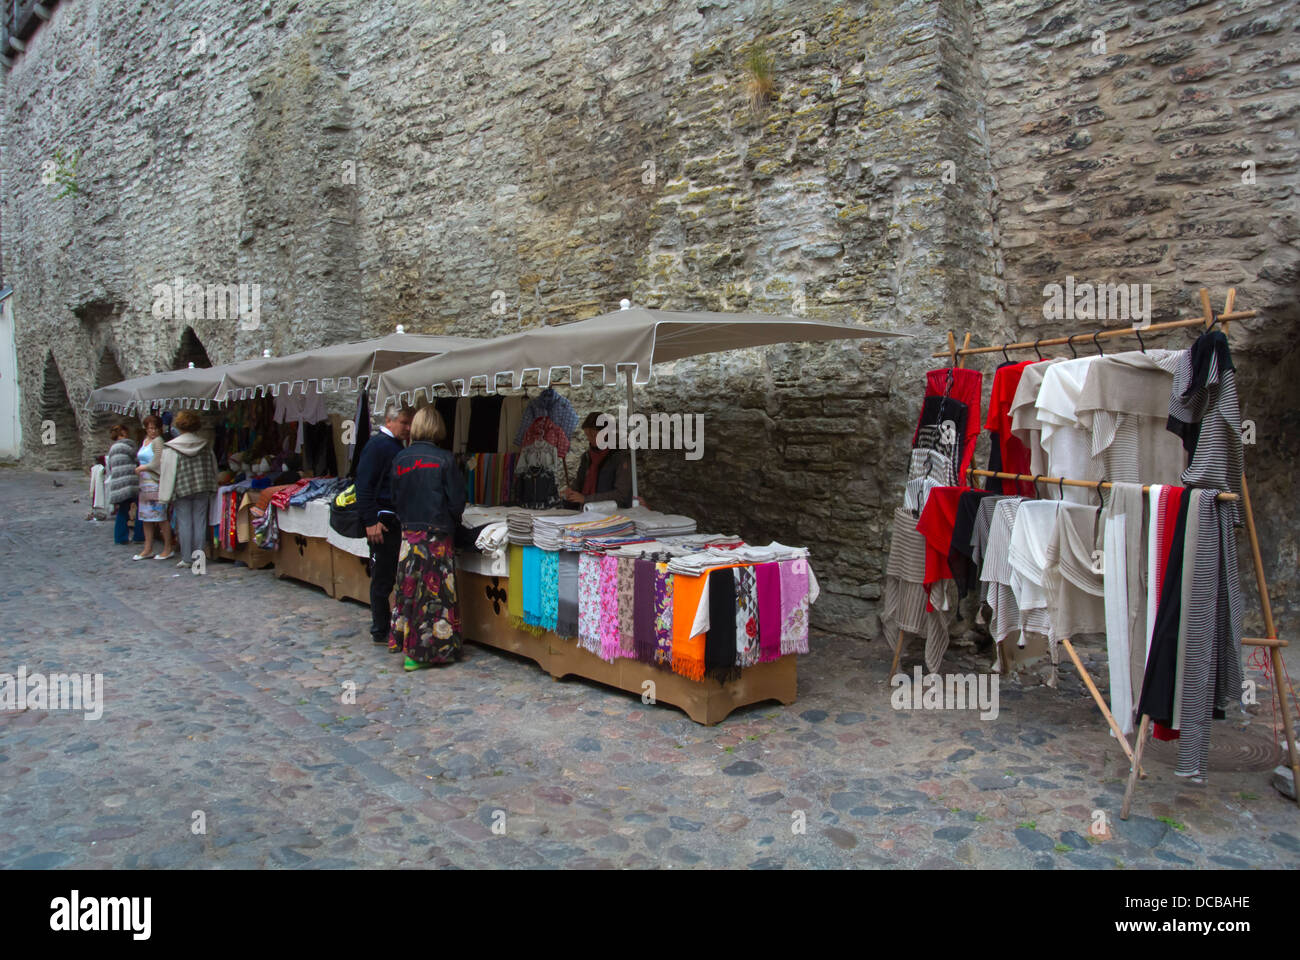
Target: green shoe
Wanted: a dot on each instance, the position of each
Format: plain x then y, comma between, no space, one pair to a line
412,665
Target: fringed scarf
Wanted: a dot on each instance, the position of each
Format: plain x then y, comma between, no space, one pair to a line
746,617
609,639
688,651
515,585
566,623
643,609
768,577
663,616
549,572
533,586
589,602
626,607
794,606
720,641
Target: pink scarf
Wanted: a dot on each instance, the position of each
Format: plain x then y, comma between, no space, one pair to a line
794,606
769,611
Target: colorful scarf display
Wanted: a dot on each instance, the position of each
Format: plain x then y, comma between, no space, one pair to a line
549,590
515,585
566,623
720,641
747,651
626,567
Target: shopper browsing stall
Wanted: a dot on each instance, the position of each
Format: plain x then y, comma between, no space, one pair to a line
188,479
375,505
123,484
429,496
153,513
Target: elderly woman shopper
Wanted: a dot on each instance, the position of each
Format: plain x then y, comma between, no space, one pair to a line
153,513
188,480
429,497
123,484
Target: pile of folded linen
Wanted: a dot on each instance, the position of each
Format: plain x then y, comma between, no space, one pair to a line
476,515
702,541
694,564
652,523
520,522
614,525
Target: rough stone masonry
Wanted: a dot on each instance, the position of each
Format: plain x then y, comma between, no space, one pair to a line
918,166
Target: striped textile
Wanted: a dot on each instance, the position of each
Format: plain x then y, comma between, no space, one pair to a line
1204,411
1210,665
903,607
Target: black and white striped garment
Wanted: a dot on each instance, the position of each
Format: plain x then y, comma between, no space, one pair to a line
1210,666
903,598
1205,413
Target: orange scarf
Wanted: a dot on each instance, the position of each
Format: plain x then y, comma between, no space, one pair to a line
688,651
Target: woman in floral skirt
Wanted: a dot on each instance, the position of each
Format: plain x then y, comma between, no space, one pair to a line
429,497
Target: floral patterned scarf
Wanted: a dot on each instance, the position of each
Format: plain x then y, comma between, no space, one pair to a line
663,616
747,647
794,606
609,638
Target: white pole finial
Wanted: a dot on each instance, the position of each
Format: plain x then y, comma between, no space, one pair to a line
266,352
191,366
625,304
400,328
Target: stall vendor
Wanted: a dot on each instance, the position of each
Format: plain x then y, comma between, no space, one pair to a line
604,472
375,504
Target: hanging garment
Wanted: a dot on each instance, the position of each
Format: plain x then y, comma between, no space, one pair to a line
996,571
566,621
936,524
512,411
905,605
1007,453
663,656
548,404
965,571
589,602
1159,683
533,586
1124,403
966,387
942,427
768,579
1211,668
484,424
1067,445
550,589
1027,553
688,648
1204,412
446,407
1122,538
1025,424
304,407
1076,597
460,427
980,537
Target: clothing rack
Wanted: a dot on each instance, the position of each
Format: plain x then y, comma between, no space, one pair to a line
1272,642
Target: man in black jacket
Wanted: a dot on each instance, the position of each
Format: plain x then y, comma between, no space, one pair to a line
375,505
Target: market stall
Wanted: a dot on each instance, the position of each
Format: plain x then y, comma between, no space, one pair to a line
633,599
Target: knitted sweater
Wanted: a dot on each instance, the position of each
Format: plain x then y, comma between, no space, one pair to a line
123,481
195,468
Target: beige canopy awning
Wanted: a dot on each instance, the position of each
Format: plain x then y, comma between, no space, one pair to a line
632,339
343,366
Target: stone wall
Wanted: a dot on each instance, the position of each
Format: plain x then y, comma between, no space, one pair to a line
475,167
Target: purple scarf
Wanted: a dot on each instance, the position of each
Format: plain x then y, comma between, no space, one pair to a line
769,611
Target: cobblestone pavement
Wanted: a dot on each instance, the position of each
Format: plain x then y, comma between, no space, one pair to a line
222,695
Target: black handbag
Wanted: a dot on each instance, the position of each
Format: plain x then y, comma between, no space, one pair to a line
346,521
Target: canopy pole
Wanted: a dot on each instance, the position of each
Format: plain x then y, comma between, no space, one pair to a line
627,374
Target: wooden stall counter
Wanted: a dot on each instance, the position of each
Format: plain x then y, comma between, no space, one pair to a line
485,620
